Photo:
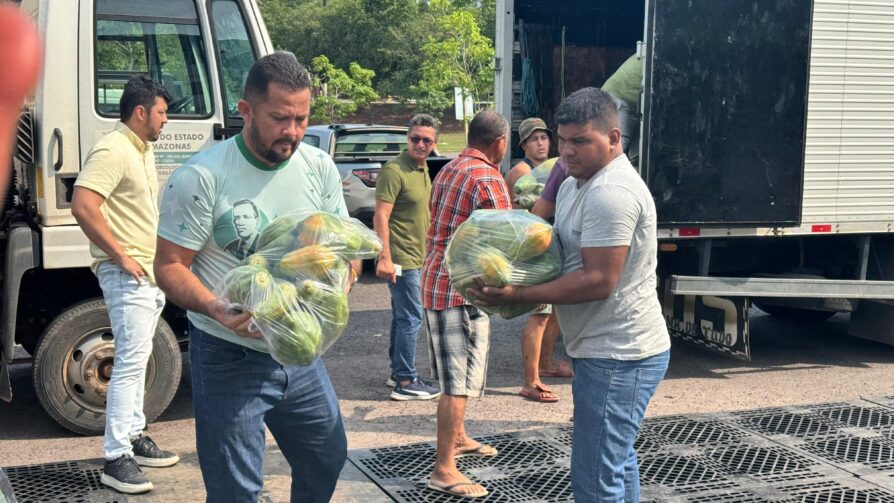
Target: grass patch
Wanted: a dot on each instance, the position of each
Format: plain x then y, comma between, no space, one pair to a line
451,142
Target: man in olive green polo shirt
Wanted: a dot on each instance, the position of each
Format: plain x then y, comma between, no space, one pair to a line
401,221
115,202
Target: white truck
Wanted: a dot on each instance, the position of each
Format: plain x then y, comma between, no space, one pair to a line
766,143
50,302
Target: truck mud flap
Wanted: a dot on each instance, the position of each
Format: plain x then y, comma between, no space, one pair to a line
719,324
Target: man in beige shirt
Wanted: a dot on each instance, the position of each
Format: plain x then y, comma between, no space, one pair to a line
116,204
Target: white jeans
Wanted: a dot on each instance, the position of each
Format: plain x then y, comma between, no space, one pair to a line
133,310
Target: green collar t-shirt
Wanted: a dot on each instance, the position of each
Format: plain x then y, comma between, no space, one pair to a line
407,185
219,201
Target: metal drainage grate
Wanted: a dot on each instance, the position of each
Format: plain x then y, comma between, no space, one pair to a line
860,417
58,482
833,491
731,497
413,464
765,463
868,451
681,474
688,432
552,486
788,423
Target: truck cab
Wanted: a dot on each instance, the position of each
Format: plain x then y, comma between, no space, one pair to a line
51,304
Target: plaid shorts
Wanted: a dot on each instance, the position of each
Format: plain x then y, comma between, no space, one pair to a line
458,342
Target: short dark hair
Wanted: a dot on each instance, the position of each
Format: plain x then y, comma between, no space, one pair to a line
589,105
486,127
282,68
423,120
243,202
141,90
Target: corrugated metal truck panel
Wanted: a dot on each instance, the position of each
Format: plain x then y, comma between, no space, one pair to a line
849,159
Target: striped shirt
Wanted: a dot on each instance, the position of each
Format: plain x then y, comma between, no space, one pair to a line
470,182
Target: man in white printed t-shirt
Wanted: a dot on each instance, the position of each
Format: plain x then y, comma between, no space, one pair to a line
239,390
606,298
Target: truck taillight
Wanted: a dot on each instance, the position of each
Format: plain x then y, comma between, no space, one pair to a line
367,176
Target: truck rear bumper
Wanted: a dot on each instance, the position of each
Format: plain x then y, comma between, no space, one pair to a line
781,287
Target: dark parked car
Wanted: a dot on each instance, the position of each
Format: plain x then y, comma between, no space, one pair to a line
359,151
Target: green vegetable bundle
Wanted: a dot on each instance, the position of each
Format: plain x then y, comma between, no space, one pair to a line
529,187
295,284
499,248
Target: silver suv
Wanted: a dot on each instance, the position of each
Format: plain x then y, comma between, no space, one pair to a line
359,151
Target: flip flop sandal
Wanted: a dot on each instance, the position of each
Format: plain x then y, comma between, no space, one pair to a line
536,394
482,450
450,489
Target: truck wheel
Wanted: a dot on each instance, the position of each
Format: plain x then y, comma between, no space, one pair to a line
794,313
73,364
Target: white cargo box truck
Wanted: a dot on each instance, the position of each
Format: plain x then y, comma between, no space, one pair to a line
767,141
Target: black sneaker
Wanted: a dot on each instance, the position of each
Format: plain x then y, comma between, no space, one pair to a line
125,475
146,453
417,389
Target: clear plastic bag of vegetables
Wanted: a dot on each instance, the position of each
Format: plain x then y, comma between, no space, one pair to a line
499,248
295,284
529,187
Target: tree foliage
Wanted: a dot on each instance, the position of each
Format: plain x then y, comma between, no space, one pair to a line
385,36
341,92
456,55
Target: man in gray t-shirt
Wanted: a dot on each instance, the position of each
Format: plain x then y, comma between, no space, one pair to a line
606,298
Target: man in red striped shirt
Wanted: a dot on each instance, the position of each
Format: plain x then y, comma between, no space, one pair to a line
458,332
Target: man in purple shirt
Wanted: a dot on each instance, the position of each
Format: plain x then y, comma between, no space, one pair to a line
545,207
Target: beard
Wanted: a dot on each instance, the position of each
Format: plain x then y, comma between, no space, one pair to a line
267,152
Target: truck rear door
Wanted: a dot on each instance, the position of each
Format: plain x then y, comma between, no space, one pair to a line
724,111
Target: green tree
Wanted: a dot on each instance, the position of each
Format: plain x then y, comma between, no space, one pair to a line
457,55
341,93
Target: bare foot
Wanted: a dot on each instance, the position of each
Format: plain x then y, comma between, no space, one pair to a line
561,369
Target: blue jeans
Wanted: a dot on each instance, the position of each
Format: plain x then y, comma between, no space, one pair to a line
610,400
406,320
134,310
236,391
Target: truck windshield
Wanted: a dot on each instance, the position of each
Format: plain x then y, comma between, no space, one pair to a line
234,51
166,47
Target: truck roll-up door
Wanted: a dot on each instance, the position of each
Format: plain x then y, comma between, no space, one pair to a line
724,110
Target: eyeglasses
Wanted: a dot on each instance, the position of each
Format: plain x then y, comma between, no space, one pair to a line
424,141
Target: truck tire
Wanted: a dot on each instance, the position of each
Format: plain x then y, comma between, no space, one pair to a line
73,363
794,313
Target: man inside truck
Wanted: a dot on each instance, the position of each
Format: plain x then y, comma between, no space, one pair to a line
606,298
115,203
238,388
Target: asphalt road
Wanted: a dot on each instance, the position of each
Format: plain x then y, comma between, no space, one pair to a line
793,364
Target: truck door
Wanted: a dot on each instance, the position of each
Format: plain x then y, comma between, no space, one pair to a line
724,111
200,51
